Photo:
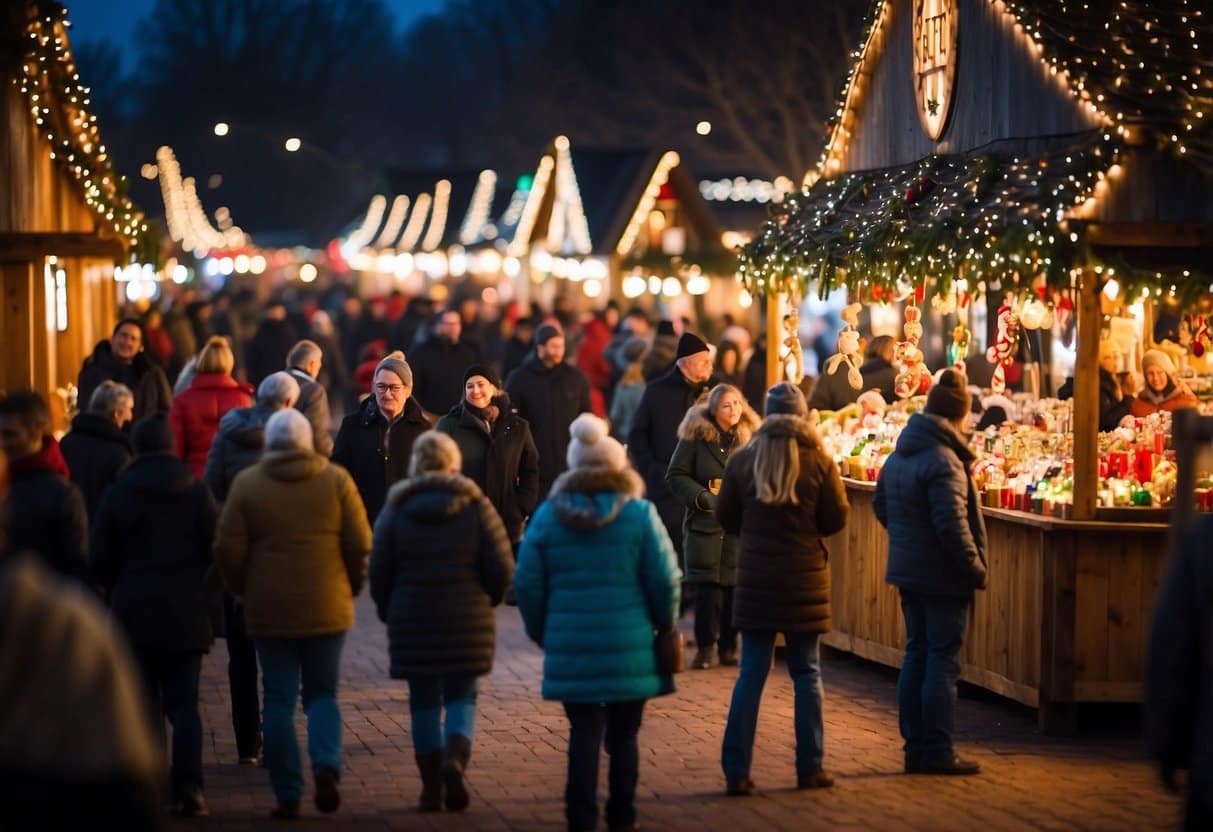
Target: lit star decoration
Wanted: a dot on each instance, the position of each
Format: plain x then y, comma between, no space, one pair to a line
58,104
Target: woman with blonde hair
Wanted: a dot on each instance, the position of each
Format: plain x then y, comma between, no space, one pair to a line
711,432
782,495
196,411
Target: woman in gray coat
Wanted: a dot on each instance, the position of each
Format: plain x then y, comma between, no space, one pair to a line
709,434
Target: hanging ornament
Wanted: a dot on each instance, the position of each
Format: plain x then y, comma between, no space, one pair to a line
958,351
848,348
1034,315
1198,334
1002,353
913,378
792,352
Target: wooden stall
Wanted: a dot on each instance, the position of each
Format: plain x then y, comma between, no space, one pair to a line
1013,149
63,220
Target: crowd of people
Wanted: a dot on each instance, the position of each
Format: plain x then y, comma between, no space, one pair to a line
460,465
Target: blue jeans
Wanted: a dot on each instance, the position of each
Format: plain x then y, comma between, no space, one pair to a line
926,688
283,661
428,695
804,666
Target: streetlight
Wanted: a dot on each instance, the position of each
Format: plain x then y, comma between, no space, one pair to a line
222,128
703,128
292,144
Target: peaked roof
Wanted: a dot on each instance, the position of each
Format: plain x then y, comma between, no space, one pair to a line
1141,66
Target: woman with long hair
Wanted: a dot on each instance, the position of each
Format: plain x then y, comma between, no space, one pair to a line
783,496
711,432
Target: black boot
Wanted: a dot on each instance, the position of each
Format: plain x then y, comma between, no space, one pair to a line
430,766
458,752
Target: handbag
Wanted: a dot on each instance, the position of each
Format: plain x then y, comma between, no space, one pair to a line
668,647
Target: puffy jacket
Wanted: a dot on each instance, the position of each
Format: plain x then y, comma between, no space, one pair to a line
440,562
549,398
293,541
783,569
146,381
699,457
375,453
314,404
196,412
237,445
45,512
926,499
151,550
96,451
596,576
501,460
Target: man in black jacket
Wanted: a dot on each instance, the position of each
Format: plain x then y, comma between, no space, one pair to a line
877,369
303,362
549,394
270,344
97,449
438,365
45,511
123,360
654,433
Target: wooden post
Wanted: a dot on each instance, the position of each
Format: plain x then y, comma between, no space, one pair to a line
774,337
1086,398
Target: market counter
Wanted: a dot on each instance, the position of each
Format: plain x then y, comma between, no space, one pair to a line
1064,618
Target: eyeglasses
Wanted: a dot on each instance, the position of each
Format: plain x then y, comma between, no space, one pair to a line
394,389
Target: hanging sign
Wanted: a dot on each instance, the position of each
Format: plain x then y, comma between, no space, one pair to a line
936,36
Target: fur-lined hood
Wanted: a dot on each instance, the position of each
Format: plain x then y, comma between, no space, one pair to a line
787,426
585,499
434,498
699,424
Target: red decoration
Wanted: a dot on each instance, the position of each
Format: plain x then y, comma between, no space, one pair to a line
667,192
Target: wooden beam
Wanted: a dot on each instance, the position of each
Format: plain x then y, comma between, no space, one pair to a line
774,338
1160,234
16,246
1086,398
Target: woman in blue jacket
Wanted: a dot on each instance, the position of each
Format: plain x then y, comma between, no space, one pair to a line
596,576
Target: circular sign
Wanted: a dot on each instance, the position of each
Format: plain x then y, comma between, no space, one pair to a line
936,37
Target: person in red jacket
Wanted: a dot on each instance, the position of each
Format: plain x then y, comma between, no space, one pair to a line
197,410
590,355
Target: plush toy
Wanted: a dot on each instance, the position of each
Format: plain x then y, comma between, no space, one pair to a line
1002,353
793,353
913,378
848,348
872,408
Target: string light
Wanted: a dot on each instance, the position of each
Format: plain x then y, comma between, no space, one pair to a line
442,202
412,231
478,209
568,229
395,219
369,225
661,175
521,241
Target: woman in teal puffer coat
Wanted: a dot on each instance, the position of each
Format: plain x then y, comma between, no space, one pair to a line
596,576
709,434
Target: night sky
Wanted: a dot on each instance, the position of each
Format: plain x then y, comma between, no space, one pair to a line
115,19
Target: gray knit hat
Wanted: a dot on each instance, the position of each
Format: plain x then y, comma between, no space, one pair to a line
394,362
785,398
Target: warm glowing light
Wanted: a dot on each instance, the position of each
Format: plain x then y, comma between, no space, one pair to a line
634,285
307,272
703,128
592,288
257,264
442,201
242,263
671,287
222,128
292,144
661,175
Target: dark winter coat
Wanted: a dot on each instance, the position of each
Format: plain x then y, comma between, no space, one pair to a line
549,398
1113,404
654,435
878,374
660,357
150,553
96,451
926,499
699,457
1179,709
438,367
596,575
833,392
501,461
515,353
45,511
314,404
146,381
237,445
196,413
267,350
783,569
376,454
439,564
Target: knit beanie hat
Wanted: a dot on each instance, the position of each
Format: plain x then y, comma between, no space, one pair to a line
484,370
592,445
634,349
949,398
152,435
1158,358
689,344
665,327
785,399
545,333
394,362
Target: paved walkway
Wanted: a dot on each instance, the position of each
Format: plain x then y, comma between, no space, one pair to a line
517,773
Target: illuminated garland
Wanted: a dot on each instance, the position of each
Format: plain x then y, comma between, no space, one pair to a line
58,104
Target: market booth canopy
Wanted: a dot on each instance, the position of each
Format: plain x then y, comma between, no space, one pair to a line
993,140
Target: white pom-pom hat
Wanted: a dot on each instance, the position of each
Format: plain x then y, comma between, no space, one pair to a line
591,445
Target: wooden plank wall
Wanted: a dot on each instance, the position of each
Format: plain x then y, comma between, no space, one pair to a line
1002,91
1064,617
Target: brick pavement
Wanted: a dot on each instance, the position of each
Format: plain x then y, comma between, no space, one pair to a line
516,777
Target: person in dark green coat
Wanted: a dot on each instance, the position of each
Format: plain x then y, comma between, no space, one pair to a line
709,434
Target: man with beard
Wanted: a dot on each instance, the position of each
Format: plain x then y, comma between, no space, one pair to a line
438,365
